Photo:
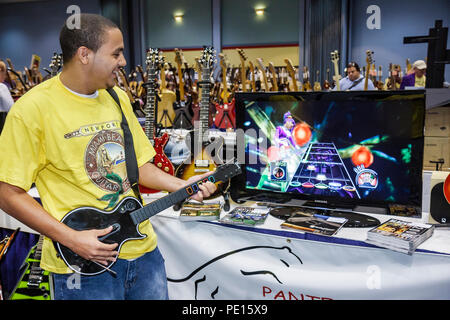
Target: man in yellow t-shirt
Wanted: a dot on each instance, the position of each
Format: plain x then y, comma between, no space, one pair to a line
65,136
417,78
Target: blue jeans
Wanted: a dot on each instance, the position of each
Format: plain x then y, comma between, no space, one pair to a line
141,279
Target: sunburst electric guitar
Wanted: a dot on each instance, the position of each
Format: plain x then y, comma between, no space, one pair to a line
160,160
205,153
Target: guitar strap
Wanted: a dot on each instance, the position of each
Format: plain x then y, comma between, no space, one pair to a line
356,83
130,154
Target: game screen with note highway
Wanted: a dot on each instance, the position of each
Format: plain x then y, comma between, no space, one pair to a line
347,145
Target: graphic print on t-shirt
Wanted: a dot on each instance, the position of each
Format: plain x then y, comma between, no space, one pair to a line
104,159
105,165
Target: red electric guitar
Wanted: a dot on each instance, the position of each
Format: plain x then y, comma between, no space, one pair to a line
160,160
225,117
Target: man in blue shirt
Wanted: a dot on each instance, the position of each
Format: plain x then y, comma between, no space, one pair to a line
354,80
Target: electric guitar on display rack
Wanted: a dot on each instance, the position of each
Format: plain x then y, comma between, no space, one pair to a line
5,244
160,160
225,117
306,83
166,114
183,108
253,77
196,107
292,73
369,62
55,64
337,77
35,283
243,57
17,82
123,82
273,77
408,66
263,72
206,154
380,84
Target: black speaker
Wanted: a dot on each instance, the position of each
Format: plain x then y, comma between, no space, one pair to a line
439,201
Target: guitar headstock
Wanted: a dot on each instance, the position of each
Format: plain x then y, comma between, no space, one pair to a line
179,58
369,58
242,55
223,61
289,66
56,63
334,56
305,73
208,58
271,67
261,64
154,62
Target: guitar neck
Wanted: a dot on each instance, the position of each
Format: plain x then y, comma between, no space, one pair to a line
161,204
336,72
204,103
366,80
222,173
150,111
180,83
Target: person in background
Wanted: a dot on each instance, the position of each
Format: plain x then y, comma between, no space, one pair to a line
6,100
417,78
354,79
396,75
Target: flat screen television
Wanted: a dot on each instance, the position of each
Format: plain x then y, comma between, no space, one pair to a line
338,149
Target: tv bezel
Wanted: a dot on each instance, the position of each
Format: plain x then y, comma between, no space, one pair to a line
239,191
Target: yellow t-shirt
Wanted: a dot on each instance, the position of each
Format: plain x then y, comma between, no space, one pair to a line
420,82
72,147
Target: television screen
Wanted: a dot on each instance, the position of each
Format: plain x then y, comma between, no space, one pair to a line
355,146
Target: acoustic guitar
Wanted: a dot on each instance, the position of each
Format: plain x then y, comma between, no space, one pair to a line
317,86
154,61
225,117
205,153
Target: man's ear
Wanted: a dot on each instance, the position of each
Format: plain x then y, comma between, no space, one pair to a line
84,54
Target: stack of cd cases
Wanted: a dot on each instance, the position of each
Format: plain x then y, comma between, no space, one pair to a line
399,235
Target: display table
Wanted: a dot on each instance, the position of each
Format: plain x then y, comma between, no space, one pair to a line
209,260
